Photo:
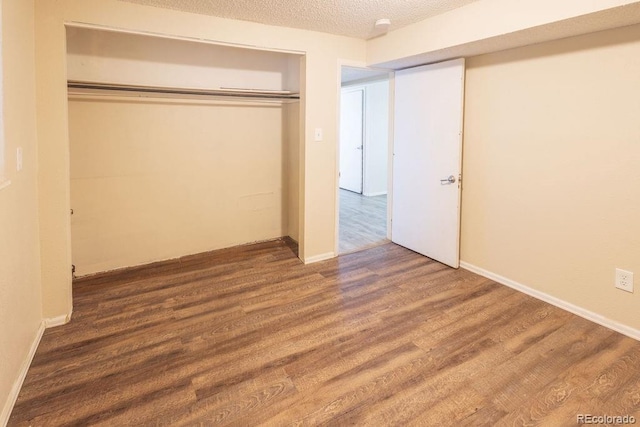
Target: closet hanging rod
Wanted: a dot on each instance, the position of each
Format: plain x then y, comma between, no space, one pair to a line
232,92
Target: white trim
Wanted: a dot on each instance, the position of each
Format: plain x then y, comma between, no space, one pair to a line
579,311
391,135
378,193
336,185
318,258
4,183
57,321
22,374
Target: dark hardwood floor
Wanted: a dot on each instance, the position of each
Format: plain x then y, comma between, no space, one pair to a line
363,221
250,335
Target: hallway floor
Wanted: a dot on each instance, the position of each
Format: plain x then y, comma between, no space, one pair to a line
363,221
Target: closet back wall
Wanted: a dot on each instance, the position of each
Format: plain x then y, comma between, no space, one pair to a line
155,178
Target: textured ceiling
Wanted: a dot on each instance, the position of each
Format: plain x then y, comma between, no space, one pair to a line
355,18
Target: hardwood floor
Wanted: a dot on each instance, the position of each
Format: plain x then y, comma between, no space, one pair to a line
250,335
363,221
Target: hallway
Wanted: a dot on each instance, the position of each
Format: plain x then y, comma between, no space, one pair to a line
363,221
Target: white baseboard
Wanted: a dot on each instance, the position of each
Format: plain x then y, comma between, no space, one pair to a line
318,258
579,311
57,321
378,193
22,374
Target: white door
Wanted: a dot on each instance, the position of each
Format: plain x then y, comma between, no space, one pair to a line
351,139
427,160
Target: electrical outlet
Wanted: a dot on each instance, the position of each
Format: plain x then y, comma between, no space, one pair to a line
624,280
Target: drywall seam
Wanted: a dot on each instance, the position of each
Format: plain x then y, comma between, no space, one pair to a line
22,374
571,308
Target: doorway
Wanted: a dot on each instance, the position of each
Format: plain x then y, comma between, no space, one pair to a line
364,160
424,200
427,159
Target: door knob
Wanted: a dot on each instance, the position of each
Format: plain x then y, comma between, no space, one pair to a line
450,180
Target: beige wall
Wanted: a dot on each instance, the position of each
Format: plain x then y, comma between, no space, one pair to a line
322,53
551,193
156,179
20,299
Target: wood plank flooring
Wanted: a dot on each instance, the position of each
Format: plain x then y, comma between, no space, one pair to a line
363,221
251,336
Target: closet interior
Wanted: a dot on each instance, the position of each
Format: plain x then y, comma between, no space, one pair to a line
178,147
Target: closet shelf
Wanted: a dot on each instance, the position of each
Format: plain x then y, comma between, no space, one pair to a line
226,92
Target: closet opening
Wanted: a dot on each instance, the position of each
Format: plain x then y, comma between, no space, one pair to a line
363,182
178,147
